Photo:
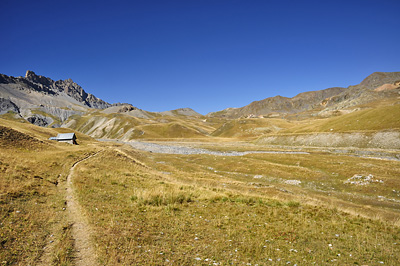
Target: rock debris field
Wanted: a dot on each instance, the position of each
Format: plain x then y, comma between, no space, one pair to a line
170,149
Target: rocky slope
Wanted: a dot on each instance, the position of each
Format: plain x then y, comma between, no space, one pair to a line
43,101
69,87
7,106
377,86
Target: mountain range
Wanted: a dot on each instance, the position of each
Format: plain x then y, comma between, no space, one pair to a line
63,103
378,85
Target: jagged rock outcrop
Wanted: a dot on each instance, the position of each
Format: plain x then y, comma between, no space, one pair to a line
7,105
75,91
39,120
69,87
44,81
26,83
126,108
47,86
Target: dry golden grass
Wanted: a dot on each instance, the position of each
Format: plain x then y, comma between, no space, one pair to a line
322,175
186,213
32,171
374,117
31,202
250,128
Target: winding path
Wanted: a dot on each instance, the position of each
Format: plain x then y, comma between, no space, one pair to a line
84,251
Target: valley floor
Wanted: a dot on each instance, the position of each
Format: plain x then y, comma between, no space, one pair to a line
286,207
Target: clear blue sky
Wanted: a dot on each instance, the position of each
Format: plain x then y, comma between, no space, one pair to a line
204,54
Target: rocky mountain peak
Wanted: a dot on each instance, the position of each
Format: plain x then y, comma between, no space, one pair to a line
30,74
377,79
32,77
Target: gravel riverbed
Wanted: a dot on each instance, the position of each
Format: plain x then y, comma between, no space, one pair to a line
175,149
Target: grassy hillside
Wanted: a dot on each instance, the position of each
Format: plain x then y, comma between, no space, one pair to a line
368,119
369,127
242,128
376,125
121,126
382,115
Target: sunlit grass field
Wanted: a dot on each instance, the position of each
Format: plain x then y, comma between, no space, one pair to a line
201,210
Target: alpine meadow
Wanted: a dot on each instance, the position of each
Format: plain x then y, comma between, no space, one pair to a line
308,180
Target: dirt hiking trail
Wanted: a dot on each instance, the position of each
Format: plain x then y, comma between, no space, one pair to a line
84,251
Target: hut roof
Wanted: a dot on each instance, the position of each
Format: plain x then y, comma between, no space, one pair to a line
66,136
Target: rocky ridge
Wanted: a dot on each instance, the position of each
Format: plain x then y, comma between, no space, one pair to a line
367,91
322,101
43,101
47,85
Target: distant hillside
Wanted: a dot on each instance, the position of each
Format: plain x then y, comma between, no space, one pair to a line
128,109
377,86
181,112
127,127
